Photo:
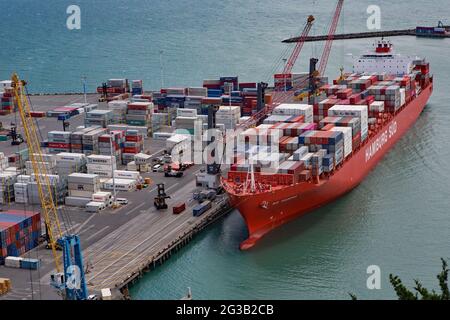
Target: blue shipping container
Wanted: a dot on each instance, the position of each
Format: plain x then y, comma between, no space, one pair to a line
201,208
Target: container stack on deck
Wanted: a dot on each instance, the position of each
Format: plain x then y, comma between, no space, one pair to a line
328,132
19,232
288,81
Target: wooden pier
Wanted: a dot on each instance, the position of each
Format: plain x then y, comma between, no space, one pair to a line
361,35
148,240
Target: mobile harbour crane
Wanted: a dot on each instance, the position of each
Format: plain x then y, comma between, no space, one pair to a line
69,277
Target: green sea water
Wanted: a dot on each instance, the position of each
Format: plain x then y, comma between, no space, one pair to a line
397,219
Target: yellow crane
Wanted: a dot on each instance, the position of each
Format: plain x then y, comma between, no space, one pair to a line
48,204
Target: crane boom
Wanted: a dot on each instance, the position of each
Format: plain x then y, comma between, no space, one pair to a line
279,96
327,48
48,204
298,46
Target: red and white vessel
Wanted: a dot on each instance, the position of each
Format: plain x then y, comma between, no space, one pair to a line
381,78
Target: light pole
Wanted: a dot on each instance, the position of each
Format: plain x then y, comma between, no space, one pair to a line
162,67
84,89
112,169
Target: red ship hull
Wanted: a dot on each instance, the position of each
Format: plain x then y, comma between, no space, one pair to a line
265,211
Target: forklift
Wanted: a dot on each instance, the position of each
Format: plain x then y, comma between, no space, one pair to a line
16,138
104,95
160,199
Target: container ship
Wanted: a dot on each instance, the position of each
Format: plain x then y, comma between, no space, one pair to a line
324,149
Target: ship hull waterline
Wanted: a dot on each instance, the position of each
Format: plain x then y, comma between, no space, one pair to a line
266,211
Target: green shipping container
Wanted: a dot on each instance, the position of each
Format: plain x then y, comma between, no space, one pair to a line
137,123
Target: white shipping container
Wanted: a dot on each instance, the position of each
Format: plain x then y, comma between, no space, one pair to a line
176,139
348,144
182,112
295,109
377,106
95,206
84,187
120,184
83,178
13,262
100,167
102,197
23,178
359,111
101,173
80,194
70,157
76,201
106,294
53,178
98,159
300,153
402,97
131,166
122,174
142,158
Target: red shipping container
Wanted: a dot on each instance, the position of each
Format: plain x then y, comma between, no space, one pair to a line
328,127
283,76
356,141
104,138
304,176
178,208
132,106
355,98
211,86
243,85
131,150
344,94
133,138
37,114
59,145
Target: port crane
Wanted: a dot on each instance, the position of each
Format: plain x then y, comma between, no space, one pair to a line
279,96
314,73
282,96
69,279
332,31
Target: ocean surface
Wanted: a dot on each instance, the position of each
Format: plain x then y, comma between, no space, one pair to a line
397,219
